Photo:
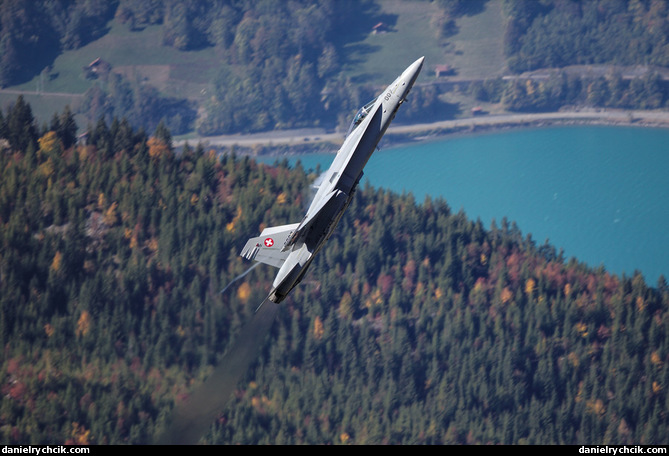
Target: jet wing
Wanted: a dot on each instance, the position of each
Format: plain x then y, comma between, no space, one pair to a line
317,208
266,248
330,204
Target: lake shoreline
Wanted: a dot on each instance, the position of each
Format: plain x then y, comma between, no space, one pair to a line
294,142
405,134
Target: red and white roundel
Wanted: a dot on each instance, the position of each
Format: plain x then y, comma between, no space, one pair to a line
269,242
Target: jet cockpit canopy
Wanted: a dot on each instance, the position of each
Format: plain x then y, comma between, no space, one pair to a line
361,114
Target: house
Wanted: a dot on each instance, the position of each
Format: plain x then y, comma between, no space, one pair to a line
381,27
443,70
96,68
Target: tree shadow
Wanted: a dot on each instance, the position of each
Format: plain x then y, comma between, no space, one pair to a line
473,7
355,55
468,8
43,52
368,19
41,57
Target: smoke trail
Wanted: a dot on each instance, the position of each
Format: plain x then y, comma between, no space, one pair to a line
192,418
239,277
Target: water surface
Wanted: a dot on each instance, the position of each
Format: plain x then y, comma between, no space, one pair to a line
599,193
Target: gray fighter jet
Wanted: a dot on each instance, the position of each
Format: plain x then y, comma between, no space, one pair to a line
292,248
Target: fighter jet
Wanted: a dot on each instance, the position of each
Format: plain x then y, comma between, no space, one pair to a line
292,248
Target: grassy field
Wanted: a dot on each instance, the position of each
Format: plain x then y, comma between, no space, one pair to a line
137,55
125,49
379,58
475,51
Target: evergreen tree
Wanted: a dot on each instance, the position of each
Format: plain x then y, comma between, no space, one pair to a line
20,126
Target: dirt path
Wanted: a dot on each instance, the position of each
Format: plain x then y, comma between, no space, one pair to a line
46,94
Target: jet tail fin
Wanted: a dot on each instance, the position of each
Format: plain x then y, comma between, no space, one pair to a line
266,248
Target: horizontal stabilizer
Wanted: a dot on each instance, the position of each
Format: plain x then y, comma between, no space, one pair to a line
266,248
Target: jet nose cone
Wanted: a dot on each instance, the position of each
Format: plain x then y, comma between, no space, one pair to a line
411,73
414,68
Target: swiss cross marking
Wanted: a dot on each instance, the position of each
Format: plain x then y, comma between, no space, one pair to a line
269,242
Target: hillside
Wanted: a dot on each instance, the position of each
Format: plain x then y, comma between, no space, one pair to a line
414,325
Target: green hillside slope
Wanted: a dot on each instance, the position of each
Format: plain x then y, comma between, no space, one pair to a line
414,324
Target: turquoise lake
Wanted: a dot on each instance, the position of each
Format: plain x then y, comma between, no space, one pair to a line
598,193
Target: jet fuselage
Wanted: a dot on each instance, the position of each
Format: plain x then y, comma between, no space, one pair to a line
339,183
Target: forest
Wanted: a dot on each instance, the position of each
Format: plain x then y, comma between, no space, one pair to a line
414,325
558,33
558,88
